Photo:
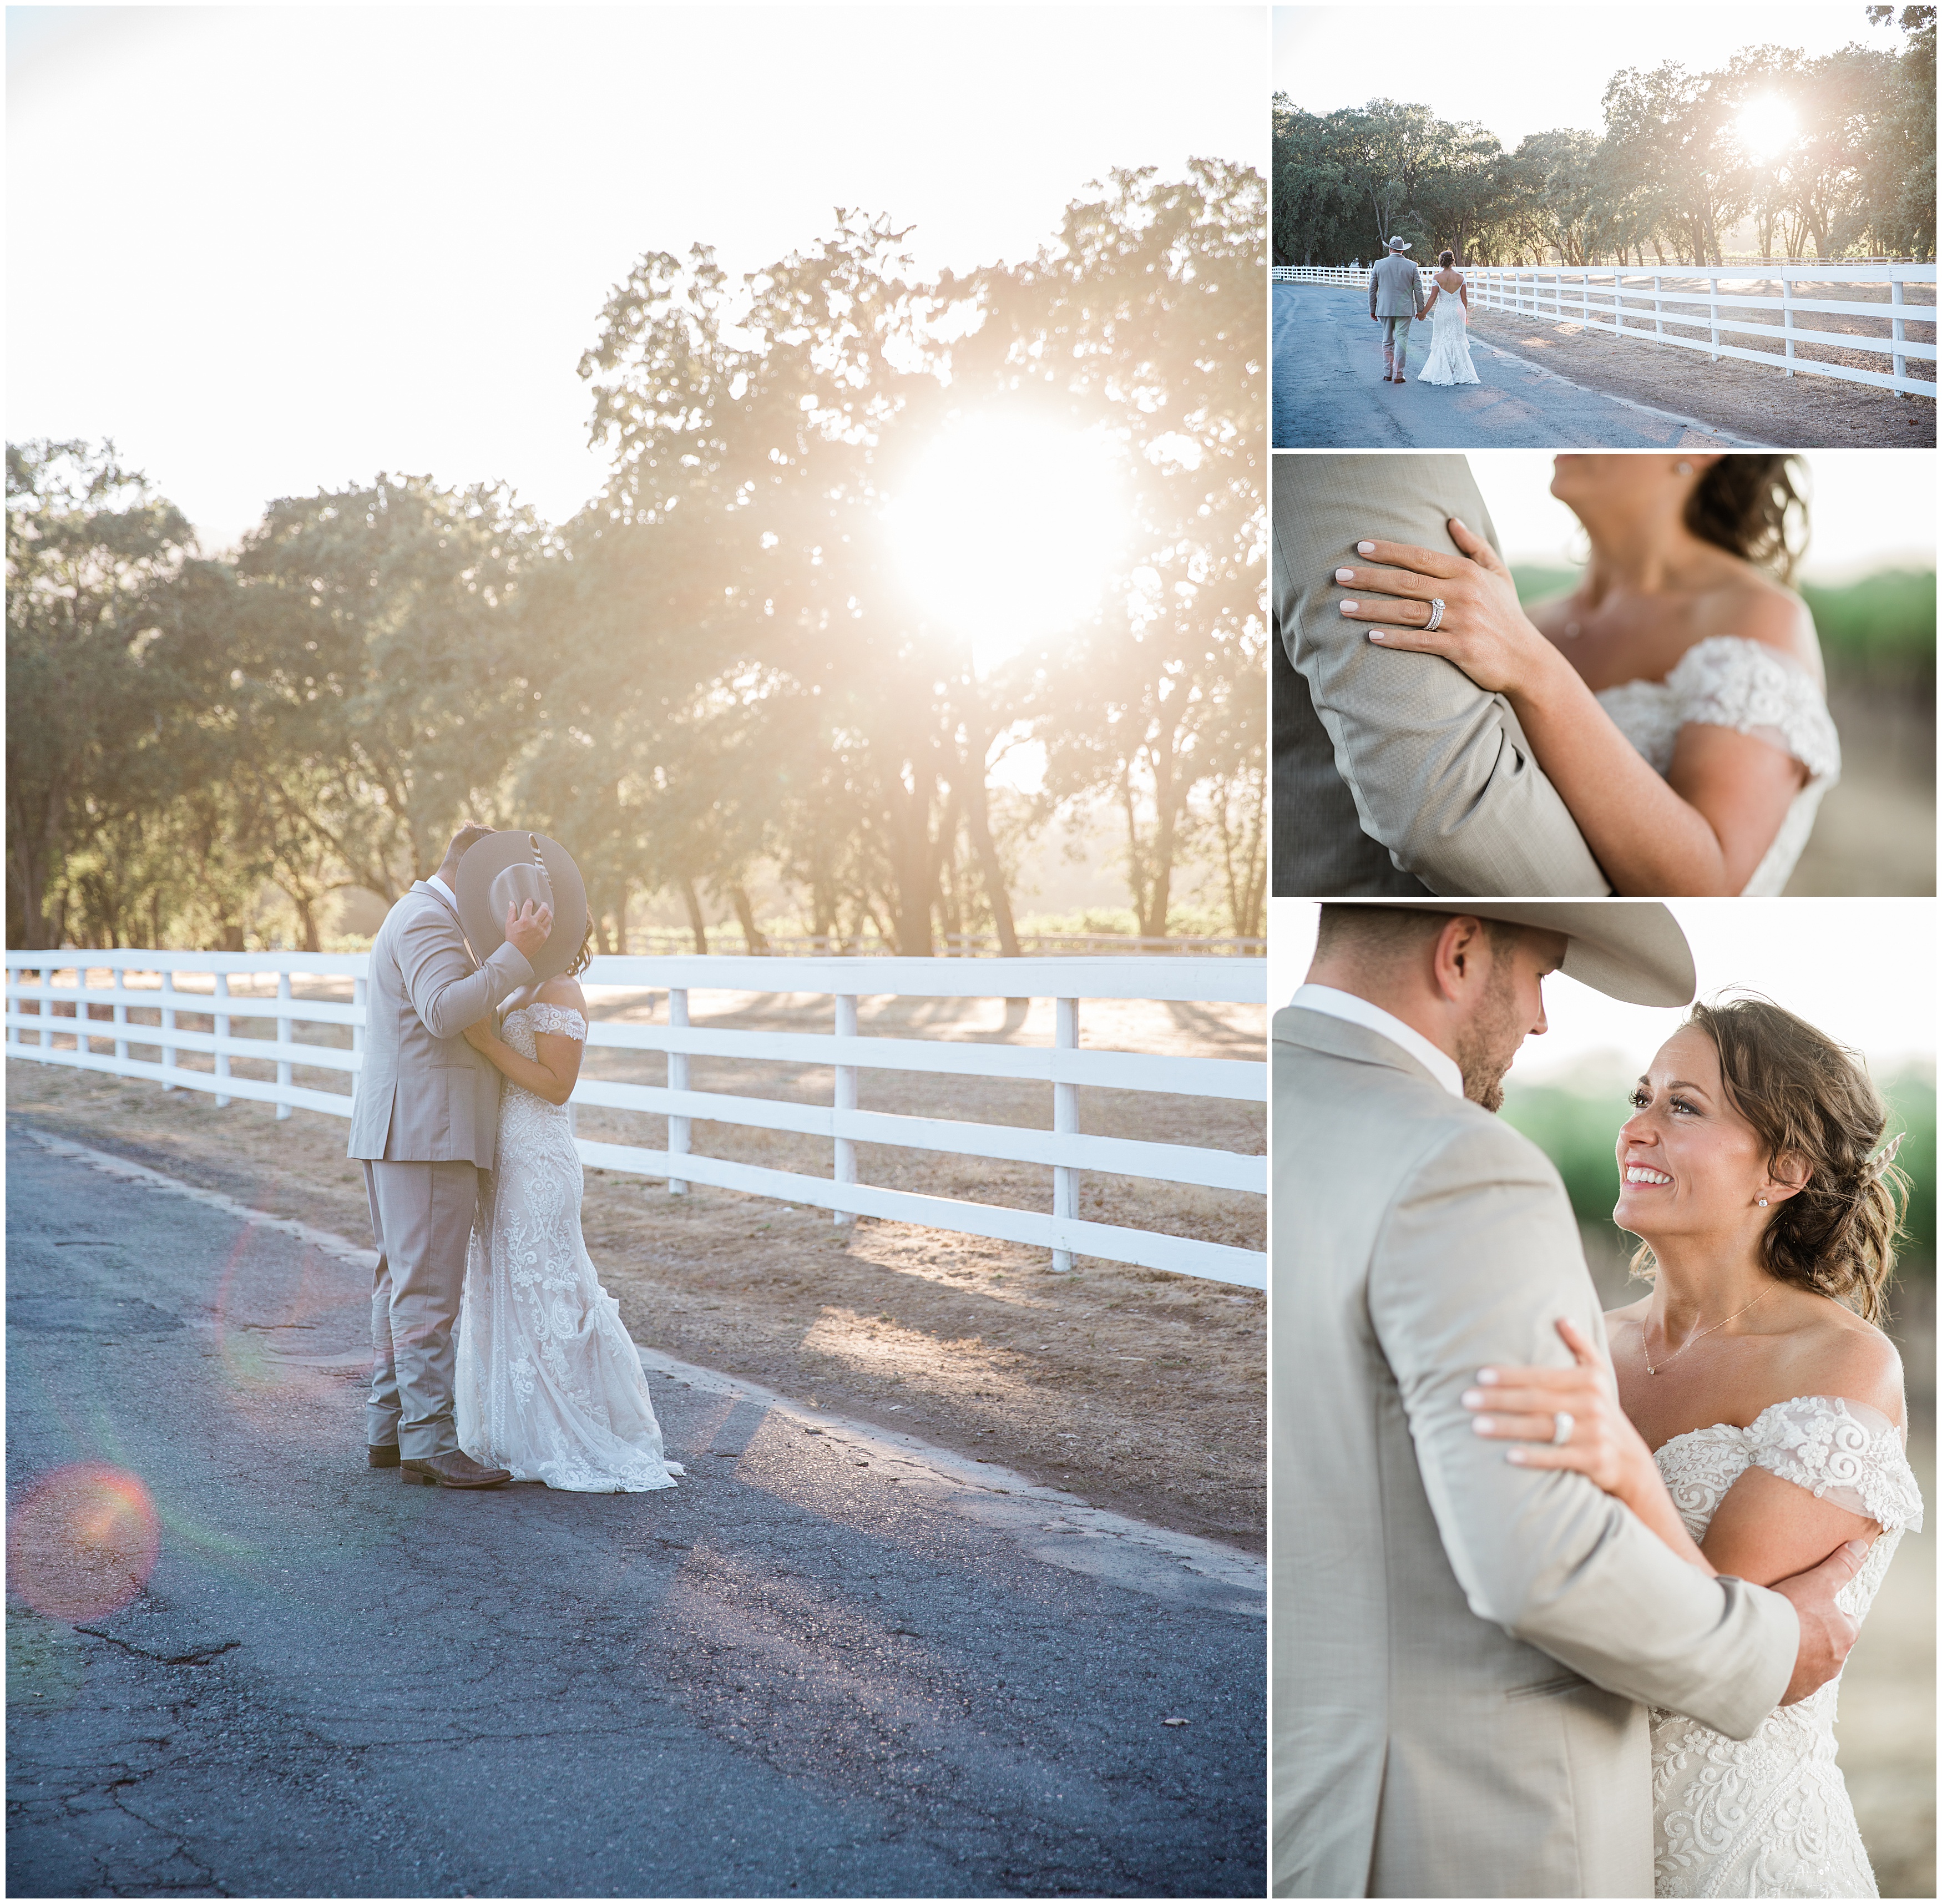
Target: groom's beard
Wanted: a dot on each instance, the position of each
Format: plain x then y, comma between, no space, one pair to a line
1487,1044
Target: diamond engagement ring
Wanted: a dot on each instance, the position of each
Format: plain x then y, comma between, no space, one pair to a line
1435,620
1561,1425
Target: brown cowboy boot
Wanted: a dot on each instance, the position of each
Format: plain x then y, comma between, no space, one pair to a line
455,1469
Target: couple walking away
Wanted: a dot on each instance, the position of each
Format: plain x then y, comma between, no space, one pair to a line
1662,728
1562,1598
475,1185
1396,300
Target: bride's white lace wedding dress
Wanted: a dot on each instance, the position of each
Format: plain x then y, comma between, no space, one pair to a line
1728,681
1768,1816
1449,359
548,1383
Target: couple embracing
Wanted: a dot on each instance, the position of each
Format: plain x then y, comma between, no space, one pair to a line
497,1356
1561,1598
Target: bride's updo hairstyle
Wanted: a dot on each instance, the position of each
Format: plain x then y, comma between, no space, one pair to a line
1447,260
1753,507
1802,1092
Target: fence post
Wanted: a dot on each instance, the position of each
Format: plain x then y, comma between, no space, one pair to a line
168,1043
1657,309
1896,324
116,976
283,1040
44,978
1713,313
678,1128
221,1021
1787,321
846,1100
1064,1122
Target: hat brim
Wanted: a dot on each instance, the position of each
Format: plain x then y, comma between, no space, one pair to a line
1632,950
485,929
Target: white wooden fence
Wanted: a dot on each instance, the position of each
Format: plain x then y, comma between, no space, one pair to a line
1641,303
62,1007
664,941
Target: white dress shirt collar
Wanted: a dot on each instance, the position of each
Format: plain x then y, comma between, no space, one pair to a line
432,879
1345,1005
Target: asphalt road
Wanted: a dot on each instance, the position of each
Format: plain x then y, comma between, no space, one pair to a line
1329,393
826,1664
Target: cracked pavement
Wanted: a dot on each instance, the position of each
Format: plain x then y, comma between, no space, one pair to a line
825,1665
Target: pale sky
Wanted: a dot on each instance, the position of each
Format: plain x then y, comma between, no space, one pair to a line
1525,69
1868,509
1862,970
271,249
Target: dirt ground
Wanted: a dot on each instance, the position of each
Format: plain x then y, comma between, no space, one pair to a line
1140,1391
1799,412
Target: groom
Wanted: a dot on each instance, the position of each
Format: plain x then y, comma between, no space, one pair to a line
1464,1651
1395,775
1395,298
423,1121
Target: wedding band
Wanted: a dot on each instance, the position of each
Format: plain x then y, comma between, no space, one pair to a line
1435,620
1561,1425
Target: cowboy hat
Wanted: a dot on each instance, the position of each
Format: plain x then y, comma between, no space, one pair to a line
1631,950
1400,244
508,868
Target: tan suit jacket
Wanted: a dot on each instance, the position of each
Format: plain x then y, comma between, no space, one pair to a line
1460,1648
1395,772
1395,288
424,1095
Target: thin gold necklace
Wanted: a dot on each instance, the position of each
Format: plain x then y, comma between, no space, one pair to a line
1645,1341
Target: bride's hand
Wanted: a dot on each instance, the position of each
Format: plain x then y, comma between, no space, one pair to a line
1483,630
1522,1405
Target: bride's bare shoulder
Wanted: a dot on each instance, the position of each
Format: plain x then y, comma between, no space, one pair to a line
1757,608
563,990
1833,1351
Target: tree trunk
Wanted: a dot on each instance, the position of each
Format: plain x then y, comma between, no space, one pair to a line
752,935
916,867
696,923
978,824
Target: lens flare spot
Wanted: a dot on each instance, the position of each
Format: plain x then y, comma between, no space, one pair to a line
83,1543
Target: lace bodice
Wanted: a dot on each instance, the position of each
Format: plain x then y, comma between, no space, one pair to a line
1728,681
518,1106
1768,1816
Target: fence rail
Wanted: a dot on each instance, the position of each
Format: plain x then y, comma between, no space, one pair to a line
61,1006
661,941
1641,304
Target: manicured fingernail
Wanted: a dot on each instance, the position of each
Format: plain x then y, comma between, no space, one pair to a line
1349,608
1461,524
1487,1376
1365,548
1375,634
1345,575
1484,1425
1473,1398
1514,1456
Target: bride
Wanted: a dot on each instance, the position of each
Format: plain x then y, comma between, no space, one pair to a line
1760,1420
549,1385
1676,698
1449,311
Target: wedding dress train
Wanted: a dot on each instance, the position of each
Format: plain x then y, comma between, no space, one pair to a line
1769,1816
548,1383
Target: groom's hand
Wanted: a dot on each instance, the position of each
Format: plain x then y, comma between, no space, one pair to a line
1825,1632
527,929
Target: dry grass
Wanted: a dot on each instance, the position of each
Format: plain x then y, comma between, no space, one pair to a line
1743,399
1139,1390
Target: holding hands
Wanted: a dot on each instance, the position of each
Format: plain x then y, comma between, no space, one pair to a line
1479,625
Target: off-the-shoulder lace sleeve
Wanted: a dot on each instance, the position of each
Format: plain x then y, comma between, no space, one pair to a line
1728,681
557,1019
1839,1451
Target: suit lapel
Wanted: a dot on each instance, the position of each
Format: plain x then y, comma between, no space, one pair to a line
452,912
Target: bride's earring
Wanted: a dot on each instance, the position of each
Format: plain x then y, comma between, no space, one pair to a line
1682,467
1763,1203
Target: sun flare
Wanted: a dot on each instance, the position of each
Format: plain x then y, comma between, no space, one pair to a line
1008,529
1766,127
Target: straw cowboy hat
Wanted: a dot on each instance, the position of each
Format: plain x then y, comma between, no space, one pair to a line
1631,950
508,868
1400,244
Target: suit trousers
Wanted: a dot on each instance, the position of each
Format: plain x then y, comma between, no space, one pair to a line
421,1216
1396,337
